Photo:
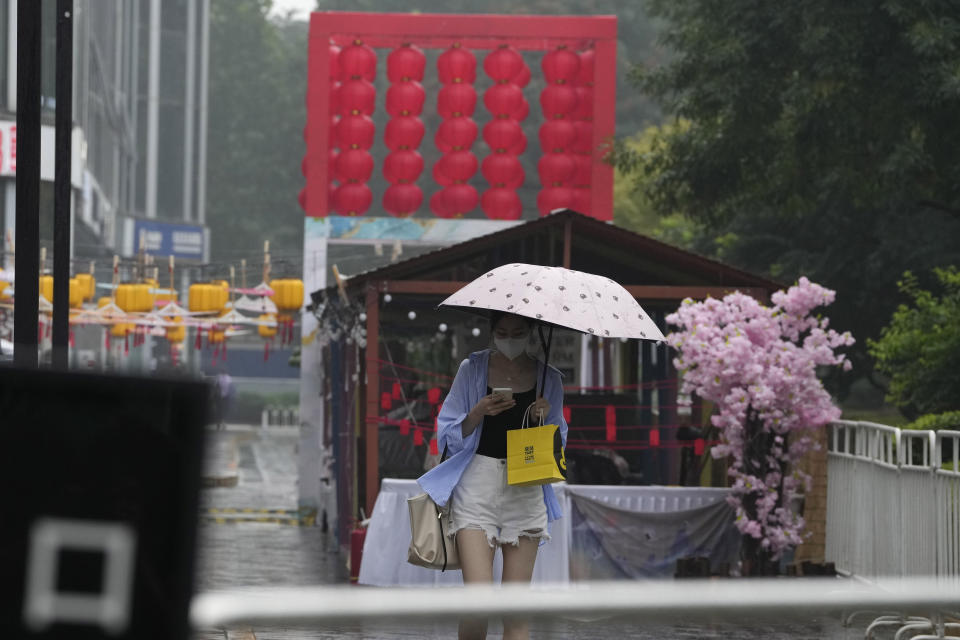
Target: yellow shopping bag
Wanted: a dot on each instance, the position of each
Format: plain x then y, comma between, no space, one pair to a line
535,455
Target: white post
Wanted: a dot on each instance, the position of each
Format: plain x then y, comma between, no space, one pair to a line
202,133
153,109
188,112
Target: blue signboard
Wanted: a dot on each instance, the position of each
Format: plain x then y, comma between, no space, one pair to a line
160,238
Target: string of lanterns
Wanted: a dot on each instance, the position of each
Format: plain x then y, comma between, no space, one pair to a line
565,166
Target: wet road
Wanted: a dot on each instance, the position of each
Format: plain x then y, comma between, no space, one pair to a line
248,537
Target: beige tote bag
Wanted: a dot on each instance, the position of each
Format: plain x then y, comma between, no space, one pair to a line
429,547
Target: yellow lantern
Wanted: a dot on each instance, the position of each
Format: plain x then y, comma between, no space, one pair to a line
88,285
287,293
5,291
266,330
121,329
103,301
216,336
46,287
76,293
206,297
134,297
177,333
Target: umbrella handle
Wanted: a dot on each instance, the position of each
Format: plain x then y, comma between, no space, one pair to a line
545,343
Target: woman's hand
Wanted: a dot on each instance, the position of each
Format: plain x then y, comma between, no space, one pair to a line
492,405
540,409
489,405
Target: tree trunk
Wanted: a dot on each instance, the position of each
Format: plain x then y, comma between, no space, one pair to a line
756,561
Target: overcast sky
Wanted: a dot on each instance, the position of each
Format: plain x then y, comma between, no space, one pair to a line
300,7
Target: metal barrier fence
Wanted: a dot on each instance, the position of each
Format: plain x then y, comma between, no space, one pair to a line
893,507
277,416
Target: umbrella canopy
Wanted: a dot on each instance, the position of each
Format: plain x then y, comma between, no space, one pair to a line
553,295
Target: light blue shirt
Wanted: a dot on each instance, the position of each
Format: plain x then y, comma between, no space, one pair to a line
468,387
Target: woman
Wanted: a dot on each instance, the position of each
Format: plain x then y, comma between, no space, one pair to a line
484,511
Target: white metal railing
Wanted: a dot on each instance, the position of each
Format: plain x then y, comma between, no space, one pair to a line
892,511
277,416
652,600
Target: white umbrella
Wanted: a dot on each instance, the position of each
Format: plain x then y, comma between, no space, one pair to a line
560,297
553,295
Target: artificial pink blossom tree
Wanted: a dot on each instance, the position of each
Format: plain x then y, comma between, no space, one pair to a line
758,365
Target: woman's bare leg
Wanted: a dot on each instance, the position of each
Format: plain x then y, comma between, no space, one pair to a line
476,560
518,564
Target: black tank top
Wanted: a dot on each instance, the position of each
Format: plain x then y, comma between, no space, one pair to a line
493,437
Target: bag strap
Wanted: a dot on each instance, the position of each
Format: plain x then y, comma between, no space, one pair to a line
526,414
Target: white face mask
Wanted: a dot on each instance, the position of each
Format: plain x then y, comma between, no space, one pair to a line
511,347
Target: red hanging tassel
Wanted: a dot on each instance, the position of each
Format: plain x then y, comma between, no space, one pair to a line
396,392
433,447
433,395
418,437
404,427
611,412
654,437
198,343
386,403
126,343
39,328
266,350
698,446
567,412
106,339
73,341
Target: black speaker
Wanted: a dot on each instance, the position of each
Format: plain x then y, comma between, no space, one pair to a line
99,483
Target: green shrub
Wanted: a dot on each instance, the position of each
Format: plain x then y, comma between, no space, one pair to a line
949,420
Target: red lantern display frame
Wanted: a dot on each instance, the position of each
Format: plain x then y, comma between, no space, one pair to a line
475,32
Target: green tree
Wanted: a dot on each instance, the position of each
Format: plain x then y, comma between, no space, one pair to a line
823,141
919,350
258,70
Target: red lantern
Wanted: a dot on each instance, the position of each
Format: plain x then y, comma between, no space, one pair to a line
584,139
357,61
406,63
503,100
557,135
402,200
354,165
501,204
505,136
583,173
404,132
551,198
522,79
503,64
457,66
332,132
503,170
454,168
521,114
585,74
405,99
402,166
356,97
352,199
335,97
456,100
560,66
581,201
584,109
438,205
332,58
459,199
558,100
355,132
555,168
455,134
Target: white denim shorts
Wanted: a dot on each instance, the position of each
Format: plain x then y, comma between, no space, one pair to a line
484,501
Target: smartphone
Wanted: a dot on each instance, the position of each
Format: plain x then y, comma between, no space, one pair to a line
505,392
